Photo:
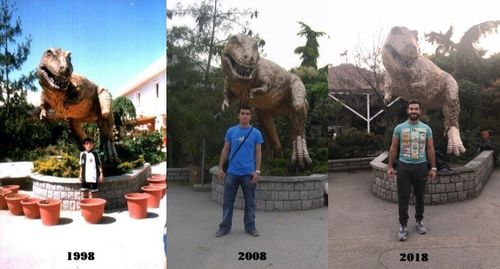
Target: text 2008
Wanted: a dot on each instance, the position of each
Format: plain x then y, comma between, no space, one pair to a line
252,256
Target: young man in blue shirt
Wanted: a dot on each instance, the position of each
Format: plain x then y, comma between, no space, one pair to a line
416,147
243,169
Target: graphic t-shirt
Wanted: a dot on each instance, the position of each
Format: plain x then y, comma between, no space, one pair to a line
243,163
90,162
412,141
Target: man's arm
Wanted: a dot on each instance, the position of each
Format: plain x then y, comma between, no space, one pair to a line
223,157
258,159
392,156
431,155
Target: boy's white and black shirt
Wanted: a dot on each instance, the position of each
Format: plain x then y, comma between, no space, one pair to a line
90,163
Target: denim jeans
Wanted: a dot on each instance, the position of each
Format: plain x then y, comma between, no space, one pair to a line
231,183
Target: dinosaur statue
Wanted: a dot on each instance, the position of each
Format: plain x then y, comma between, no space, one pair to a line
412,76
269,89
72,97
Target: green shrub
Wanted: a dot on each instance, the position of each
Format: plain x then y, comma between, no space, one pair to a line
147,144
64,165
354,143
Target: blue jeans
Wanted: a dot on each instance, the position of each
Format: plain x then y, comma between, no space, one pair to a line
231,183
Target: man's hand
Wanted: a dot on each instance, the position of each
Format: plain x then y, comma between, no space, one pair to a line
221,174
433,175
101,178
255,178
390,173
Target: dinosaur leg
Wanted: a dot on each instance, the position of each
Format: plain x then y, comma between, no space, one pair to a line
77,131
268,128
298,117
451,112
106,124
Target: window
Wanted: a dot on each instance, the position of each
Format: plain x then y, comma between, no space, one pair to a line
138,97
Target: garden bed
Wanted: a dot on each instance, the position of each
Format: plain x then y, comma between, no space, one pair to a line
113,189
462,183
275,193
349,164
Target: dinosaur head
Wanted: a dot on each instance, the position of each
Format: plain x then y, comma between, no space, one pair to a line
55,69
240,57
401,48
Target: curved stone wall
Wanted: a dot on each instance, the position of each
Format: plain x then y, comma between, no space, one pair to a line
462,183
113,189
278,193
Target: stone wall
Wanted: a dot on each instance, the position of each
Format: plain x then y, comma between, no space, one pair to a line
278,193
178,174
349,164
462,183
113,189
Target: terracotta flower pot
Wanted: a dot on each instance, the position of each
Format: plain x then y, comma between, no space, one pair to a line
50,211
154,192
163,188
157,180
137,204
3,202
14,202
30,208
13,188
92,209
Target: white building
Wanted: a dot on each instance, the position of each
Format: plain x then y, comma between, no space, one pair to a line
148,93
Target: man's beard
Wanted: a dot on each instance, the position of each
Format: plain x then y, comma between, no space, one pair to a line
414,116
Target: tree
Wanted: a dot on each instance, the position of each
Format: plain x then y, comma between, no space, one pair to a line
309,52
443,41
213,23
13,57
123,111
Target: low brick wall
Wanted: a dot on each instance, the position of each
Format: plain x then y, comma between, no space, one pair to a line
278,193
113,189
462,183
178,174
349,164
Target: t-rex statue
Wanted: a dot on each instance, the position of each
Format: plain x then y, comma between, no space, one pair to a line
269,89
412,76
72,97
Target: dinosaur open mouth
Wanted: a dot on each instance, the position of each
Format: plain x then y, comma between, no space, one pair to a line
405,62
239,70
50,78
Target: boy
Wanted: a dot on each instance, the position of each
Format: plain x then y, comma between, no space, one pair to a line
90,170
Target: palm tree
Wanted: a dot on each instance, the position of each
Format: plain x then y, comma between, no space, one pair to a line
123,112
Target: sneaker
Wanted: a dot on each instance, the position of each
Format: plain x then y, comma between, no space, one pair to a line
403,233
421,228
253,233
221,233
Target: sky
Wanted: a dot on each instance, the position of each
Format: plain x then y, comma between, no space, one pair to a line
277,24
353,23
110,41
357,22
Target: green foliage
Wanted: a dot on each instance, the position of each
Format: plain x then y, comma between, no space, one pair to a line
309,53
123,113
59,166
354,143
144,143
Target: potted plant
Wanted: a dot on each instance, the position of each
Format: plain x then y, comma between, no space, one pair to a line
50,210
30,208
155,195
92,209
137,204
14,202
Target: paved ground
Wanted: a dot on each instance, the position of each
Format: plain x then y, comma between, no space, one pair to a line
117,242
296,239
362,230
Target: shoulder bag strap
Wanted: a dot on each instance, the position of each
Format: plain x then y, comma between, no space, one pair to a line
239,146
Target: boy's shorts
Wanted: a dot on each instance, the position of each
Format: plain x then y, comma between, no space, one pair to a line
94,187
